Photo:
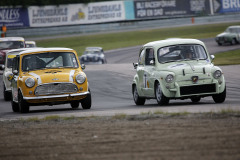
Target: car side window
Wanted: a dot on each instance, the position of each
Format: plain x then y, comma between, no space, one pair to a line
149,56
15,65
141,59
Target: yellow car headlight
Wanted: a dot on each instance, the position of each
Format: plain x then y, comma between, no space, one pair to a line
30,82
80,78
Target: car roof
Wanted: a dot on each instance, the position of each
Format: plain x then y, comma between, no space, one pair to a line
30,42
30,50
94,48
20,50
172,41
12,39
234,27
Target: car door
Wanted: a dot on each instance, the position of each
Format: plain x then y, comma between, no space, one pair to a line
149,67
15,71
140,71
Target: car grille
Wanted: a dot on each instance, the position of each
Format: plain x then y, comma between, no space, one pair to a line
55,88
198,89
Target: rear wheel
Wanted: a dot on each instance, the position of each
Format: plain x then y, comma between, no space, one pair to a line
161,98
220,98
87,102
7,95
138,100
23,105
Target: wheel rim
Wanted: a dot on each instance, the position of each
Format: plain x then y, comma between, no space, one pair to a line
158,93
135,94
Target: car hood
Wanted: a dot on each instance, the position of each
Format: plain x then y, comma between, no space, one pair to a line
190,67
224,34
53,75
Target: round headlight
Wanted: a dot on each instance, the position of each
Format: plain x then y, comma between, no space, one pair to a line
169,78
80,78
30,82
217,74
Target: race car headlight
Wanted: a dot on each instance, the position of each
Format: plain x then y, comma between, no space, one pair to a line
80,78
30,82
169,78
217,74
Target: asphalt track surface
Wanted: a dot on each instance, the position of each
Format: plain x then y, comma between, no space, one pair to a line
111,90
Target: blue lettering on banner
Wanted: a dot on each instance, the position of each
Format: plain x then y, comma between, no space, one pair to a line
14,17
230,6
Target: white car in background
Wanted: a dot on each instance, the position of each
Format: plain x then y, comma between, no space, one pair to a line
30,44
7,71
93,55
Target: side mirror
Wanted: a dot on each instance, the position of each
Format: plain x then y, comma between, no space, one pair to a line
212,57
15,72
83,66
2,67
152,62
135,65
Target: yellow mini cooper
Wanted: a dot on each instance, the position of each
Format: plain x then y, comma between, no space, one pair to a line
48,76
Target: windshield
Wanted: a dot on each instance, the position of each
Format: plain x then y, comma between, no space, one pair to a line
11,44
181,53
233,30
10,60
49,60
92,52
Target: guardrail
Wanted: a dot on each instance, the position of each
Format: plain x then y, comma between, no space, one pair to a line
120,26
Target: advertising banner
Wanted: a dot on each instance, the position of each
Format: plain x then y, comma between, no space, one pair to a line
170,8
14,17
76,14
225,6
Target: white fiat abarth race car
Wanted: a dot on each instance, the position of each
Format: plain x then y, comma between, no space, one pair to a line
177,69
7,72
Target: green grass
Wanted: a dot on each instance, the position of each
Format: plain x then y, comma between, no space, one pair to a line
226,58
126,39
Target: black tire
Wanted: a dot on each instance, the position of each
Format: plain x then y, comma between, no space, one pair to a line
160,97
220,98
7,95
195,99
219,43
74,104
233,42
138,100
87,102
23,105
15,106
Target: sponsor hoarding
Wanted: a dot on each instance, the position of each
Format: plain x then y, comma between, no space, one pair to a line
14,17
76,14
225,6
170,8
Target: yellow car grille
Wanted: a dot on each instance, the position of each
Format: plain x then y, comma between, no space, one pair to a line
55,89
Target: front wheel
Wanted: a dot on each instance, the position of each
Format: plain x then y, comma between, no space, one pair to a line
23,105
233,41
138,100
220,98
87,101
7,95
195,99
15,106
161,98
75,104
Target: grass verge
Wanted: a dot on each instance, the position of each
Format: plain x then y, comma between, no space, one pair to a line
227,58
126,39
